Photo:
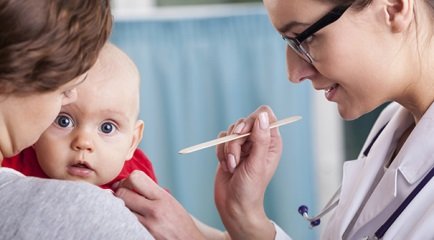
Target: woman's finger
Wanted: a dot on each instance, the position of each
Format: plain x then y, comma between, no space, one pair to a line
141,183
220,153
136,202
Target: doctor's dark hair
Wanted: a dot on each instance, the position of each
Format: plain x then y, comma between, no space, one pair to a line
360,4
46,43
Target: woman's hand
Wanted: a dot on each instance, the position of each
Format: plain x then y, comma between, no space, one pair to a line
246,167
156,209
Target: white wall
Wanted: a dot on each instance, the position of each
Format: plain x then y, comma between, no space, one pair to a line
329,145
132,4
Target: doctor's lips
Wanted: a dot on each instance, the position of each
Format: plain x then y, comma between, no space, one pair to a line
330,91
235,136
331,88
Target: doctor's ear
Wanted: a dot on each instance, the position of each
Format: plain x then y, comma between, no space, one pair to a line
399,14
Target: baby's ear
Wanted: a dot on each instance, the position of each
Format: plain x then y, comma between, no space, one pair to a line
137,137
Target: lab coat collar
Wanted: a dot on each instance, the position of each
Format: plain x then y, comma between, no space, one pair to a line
416,157
359,176
411,164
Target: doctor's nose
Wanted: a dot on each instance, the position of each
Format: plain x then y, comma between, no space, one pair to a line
298,69
83,141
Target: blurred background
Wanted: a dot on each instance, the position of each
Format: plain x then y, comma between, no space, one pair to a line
206,63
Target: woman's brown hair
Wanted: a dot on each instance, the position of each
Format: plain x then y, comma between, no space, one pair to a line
47,43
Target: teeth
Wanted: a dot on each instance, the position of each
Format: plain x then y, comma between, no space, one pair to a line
330,88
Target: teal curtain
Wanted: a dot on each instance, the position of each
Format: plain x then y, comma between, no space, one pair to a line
198,76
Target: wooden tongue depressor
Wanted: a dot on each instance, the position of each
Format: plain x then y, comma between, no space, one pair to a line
235,136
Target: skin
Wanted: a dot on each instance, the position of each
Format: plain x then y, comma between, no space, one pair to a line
153,207
371,56
391,63
372,82
24,117
92,137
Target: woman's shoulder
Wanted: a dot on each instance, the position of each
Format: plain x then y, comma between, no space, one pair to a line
57,209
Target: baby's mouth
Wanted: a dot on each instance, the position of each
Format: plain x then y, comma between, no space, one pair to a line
81,169
84,165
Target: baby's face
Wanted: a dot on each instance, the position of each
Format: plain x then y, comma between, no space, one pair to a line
92,138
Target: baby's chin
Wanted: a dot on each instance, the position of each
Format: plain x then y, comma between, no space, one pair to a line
68,177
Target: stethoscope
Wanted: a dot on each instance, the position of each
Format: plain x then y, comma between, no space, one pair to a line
333,202
316,220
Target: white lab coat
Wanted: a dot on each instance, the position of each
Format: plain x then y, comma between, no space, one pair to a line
413,162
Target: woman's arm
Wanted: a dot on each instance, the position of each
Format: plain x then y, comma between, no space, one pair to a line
209,232
246,167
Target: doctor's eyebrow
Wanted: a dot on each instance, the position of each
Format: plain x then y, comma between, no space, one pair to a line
287,27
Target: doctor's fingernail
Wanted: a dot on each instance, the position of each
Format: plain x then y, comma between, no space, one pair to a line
239,127
263,120
232,163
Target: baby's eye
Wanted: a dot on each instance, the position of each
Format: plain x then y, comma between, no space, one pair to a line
64,121
107,127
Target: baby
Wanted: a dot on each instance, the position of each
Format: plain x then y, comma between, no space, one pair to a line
91,139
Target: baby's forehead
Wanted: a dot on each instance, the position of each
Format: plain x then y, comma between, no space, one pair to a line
115,79
114,67
110,92
97,108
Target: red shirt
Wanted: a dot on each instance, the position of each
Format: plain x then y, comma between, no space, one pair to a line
27,163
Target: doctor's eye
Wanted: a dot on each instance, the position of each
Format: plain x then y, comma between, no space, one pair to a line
309,39
306,43
64,121
108,128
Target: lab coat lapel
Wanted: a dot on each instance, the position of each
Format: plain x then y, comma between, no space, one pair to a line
382,197
386,190
414,160
360,175
417,155
348,202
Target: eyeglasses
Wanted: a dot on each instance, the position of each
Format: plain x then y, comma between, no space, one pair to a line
296,43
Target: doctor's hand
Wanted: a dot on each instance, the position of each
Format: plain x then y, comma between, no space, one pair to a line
156,209
245,169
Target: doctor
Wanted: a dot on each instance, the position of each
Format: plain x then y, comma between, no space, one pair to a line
362,54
